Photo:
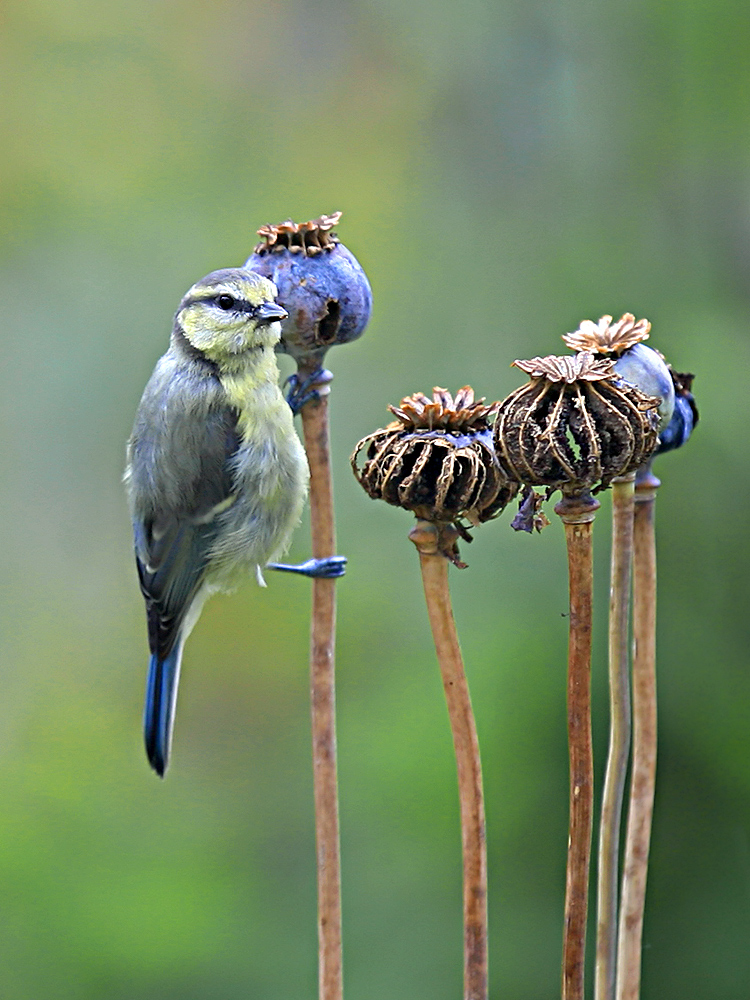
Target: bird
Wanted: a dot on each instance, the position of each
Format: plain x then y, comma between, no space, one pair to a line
216,477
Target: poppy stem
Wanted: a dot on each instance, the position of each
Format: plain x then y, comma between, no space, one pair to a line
323,702
432,540
619,736
577,513
642,782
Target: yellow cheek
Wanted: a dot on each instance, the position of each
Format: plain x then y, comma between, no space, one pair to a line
215,336
188,321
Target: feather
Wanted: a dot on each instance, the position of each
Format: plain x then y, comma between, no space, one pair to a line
161,699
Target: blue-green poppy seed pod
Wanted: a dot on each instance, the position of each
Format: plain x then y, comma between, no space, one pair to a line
685,415
646,369
621,342
321,285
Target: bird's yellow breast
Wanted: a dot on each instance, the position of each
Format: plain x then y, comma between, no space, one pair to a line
255,395
270,473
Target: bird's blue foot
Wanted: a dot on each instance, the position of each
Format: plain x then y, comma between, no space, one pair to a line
327,568
302,391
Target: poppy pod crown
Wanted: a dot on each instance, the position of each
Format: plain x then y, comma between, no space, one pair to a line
307,238
607,337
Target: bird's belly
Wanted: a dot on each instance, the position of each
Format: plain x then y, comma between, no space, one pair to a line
271,489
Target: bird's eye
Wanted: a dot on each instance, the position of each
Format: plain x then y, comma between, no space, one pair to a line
225,302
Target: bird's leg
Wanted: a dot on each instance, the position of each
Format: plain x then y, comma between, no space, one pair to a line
303,390
328,568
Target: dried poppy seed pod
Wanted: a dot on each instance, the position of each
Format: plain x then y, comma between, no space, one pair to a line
321,285
575,425
437,460
622,342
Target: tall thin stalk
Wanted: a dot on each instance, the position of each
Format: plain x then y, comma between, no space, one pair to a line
328,299
619,736
429,539
577,513
323,701
559,431
643,778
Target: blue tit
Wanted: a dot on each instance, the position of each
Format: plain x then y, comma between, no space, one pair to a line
216,476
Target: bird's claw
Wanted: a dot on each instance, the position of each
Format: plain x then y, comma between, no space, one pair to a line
305,390
327,569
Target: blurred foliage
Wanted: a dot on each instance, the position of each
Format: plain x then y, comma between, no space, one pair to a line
505,170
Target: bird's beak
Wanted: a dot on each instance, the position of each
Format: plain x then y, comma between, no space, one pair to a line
270,312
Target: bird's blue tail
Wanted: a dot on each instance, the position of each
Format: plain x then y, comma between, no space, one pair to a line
158,716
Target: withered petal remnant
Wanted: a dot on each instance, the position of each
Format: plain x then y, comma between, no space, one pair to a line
606,337
530,516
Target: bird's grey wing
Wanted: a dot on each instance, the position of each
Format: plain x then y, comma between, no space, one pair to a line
173,544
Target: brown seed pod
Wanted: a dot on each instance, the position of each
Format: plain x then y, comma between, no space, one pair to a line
437,459
575,425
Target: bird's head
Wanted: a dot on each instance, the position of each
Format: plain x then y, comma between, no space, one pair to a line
229,313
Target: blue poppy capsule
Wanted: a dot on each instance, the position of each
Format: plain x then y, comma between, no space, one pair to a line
321,285
646,369
684,417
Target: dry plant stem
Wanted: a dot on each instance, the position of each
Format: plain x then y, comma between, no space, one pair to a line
577,513
323,702
641,804
431,540
619,736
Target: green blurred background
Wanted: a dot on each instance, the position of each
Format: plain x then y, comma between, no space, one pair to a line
505,170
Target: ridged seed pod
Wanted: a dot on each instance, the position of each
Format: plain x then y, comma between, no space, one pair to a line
575,426
321,285
437,459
